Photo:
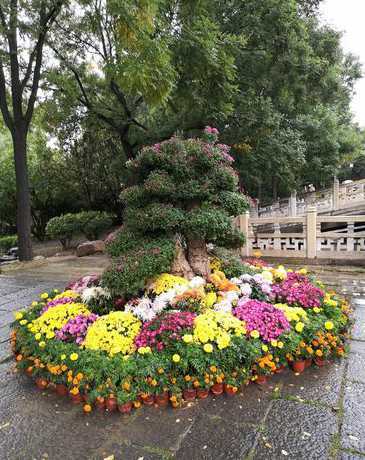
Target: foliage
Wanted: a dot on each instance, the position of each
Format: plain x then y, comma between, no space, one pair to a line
138,260
93,223
90,223
7,242
63,228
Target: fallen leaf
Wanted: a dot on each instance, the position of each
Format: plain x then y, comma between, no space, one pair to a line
284,452
4,426
268,445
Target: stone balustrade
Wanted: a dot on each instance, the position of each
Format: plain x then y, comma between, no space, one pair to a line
337,198
311,236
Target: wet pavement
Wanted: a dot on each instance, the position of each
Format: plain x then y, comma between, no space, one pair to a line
317,415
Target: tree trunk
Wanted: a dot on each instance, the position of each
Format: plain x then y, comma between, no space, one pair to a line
23,217
198,257
180,266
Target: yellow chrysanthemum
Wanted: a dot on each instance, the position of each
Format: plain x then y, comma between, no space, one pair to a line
218,327
166,282
113,333
176,358
208,347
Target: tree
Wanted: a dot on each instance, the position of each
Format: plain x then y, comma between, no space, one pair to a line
23,30
184,196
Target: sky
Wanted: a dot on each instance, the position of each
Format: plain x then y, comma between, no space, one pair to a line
348,17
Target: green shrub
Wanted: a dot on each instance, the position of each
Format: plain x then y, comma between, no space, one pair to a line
139,259
7,242
93,223
63,228
89,223
231,263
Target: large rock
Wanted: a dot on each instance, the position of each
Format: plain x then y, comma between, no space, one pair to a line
90,247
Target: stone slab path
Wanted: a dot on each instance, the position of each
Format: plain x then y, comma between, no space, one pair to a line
317,415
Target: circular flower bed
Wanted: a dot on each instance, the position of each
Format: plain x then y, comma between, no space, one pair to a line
182,339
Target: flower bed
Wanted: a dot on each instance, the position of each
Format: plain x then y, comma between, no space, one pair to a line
181,339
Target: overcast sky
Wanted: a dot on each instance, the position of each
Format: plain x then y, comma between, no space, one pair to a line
348,16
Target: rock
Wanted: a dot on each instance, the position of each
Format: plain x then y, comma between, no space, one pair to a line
90,247
111,236
39,258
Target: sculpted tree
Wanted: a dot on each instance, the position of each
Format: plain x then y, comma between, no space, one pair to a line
184,196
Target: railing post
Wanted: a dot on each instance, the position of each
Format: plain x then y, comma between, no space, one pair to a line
311,229
244,227
293,204
336,194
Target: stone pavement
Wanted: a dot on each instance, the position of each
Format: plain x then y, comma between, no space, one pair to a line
317,415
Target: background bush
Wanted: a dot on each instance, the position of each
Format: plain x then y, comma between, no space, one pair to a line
93,223
89,223
63,228
7,242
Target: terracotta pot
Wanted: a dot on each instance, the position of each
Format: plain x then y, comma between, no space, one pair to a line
320,362
230,390
298,366
61,389
111,404
189,394
125,408
280,369
148,400
162,399
217,389
308,362
202,393
100,404
41,383
76,399
29,371
261,379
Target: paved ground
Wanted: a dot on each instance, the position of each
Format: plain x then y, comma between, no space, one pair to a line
319,415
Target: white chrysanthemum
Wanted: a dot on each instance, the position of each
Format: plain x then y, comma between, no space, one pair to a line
224,305
246,278
94,293
197,282
236,281
246,290
230,296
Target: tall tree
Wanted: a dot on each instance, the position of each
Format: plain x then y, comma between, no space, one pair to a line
24,27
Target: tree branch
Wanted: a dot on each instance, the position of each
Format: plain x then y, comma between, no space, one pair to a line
3,102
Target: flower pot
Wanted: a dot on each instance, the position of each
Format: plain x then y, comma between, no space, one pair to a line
261,380
100,404
61,389
76,399
320,362
125,408
111,404
298,366
280,369
202,393
230,390
189,394
41,383
29,371
308,362
148,400
162,399
217,389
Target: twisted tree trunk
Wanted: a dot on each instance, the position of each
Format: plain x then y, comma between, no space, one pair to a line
180,266
198,257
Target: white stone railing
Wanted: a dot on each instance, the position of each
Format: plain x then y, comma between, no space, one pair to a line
311,236
338,197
